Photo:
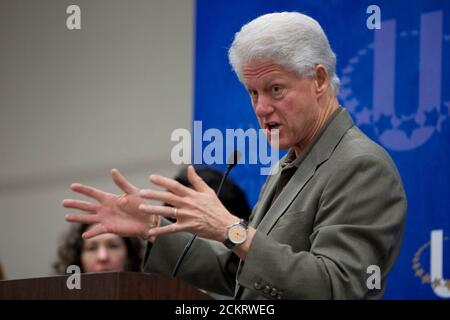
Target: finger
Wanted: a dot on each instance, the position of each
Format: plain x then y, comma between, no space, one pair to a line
122,183
171,228
79,204
165,211
89,191
196,181
82,218
171,185
163,196
94,231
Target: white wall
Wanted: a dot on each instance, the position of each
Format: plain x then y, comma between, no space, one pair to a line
74,104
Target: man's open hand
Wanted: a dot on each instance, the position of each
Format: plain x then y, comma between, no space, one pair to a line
118,214
197,210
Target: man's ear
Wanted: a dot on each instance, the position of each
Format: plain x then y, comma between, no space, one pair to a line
322,80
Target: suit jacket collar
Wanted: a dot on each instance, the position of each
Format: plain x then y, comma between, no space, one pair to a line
319,152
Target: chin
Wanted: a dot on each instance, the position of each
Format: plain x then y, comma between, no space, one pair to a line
107,270
282,145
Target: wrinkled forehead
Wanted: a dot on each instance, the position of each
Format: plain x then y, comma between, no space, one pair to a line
256,71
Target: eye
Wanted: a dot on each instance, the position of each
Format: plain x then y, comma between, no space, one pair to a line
253,93
277,90
113,246
90,248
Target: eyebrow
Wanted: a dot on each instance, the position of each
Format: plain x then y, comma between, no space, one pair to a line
267,82
271,78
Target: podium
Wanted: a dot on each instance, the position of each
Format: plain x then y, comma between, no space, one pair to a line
101,286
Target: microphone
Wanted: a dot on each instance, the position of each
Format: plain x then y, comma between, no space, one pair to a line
233,159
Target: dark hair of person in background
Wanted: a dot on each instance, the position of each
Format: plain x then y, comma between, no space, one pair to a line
232,196
70,251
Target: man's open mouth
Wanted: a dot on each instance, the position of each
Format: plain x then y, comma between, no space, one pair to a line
272,125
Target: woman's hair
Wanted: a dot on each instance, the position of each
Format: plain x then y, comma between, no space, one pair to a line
290,39
69,253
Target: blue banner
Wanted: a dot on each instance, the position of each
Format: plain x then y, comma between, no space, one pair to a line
395,82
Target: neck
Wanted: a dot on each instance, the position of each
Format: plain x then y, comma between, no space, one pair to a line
326,108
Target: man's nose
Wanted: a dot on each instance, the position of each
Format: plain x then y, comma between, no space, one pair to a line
263,107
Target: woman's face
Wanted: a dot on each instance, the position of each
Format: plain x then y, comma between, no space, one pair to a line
106,252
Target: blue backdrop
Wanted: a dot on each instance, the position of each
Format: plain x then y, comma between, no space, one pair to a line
395,84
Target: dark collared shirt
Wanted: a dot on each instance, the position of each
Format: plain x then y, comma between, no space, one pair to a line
291,162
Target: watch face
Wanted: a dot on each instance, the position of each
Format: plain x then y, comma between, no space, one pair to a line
237,234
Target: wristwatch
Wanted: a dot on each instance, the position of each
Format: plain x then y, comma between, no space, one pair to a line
236,234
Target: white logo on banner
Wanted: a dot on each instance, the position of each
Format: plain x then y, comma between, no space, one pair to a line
440,285
400,133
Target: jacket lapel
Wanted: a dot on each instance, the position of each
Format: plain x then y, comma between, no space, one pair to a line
290,191
319,153
266,197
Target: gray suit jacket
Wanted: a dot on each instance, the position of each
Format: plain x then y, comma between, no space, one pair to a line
341,212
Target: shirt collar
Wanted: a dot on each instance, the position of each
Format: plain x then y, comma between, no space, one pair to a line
291,160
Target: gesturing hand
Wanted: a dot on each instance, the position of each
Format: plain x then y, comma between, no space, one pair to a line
196,210
118,214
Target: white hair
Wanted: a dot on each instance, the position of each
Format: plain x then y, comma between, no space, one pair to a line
290,39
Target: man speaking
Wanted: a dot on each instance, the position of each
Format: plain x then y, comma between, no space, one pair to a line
334,210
